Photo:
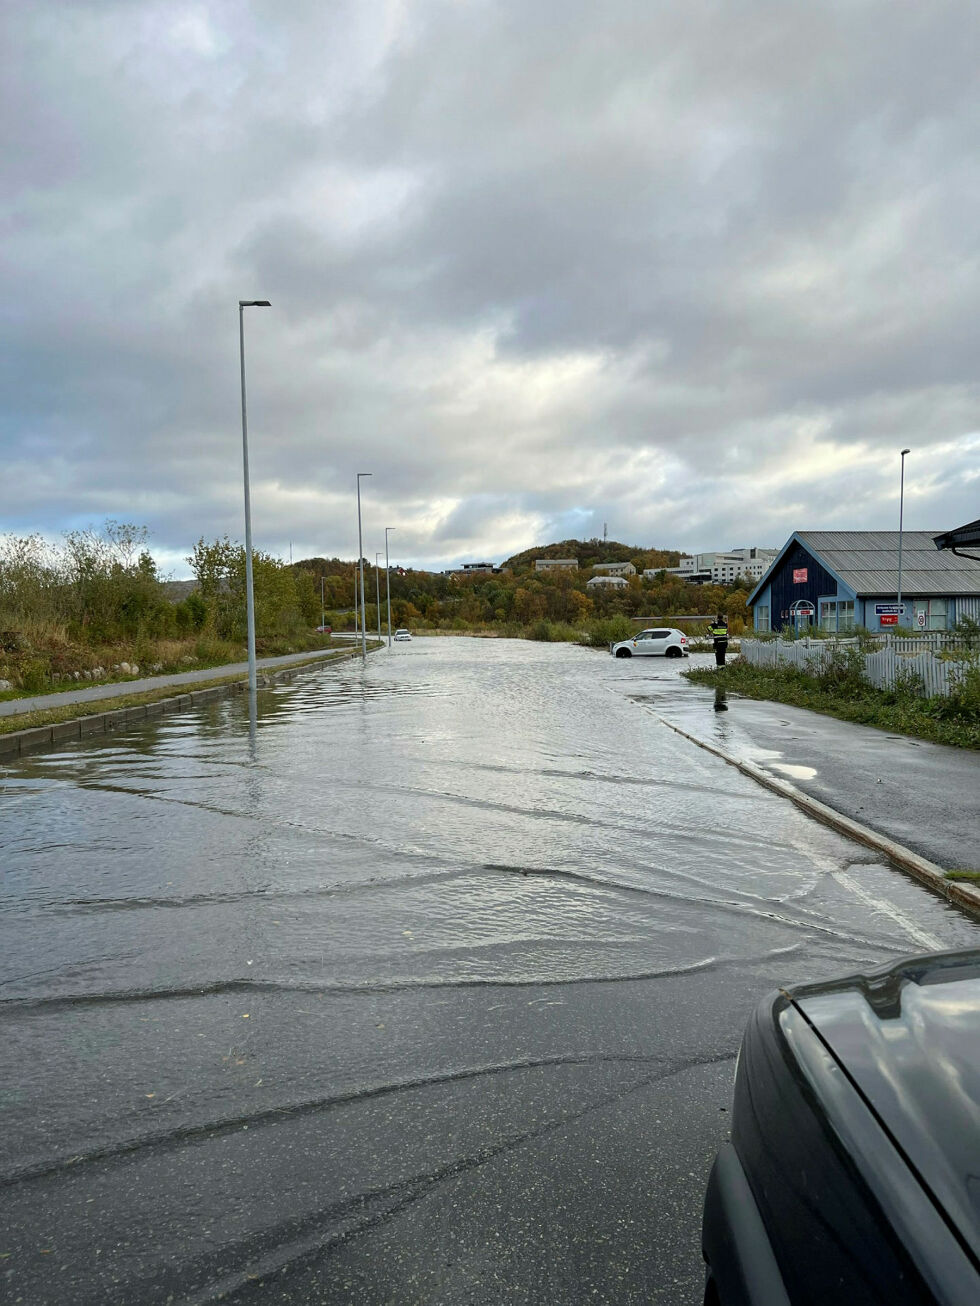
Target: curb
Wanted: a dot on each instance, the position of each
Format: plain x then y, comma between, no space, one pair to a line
926,872
16,743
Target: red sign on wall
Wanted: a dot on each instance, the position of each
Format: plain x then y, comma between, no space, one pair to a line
889,618
799,575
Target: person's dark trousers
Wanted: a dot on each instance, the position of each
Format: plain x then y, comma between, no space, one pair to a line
721,648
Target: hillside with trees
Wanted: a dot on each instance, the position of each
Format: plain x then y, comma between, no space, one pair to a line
521,601
589,552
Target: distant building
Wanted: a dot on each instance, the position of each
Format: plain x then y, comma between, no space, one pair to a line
721,568
556,564
842,579
607,582
473,568
615,568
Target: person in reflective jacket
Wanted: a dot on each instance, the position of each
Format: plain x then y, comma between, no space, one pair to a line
718,630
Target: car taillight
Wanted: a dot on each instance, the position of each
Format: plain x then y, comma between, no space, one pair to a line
683,639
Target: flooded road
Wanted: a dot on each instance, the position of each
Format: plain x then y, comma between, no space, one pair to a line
430,993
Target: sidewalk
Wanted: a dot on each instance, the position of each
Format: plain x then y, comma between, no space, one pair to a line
922,795
120,689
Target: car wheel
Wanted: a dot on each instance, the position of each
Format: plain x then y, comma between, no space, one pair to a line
623,653
675,652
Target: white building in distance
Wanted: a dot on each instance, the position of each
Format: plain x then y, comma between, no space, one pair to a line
556,564
614,568
722,568
607,583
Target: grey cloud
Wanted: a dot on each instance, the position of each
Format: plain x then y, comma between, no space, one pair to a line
526,262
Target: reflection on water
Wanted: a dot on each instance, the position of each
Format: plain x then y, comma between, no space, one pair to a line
464,860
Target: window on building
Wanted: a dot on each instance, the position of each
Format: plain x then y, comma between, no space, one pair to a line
845,614
828,614
932,610
762,618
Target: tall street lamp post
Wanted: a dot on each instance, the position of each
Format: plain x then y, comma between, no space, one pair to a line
377,590
388,582
243,304
360,564
323,613
901,513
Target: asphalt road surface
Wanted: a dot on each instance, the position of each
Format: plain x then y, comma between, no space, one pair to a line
925,796
428,990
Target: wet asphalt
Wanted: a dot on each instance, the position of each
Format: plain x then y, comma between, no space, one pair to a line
923,795
427,990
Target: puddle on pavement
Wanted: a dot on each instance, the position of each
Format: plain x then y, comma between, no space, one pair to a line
794,772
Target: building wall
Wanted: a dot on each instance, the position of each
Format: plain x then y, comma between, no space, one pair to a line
783,591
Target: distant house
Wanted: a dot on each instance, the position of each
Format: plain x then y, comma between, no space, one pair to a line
473,569
607,583
722,568
556,564
615,568
842,579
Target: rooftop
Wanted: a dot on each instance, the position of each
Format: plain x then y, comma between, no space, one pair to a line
867,562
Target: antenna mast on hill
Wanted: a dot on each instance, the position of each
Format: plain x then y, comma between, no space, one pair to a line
605,532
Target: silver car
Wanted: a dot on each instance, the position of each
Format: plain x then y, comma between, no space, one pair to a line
661,641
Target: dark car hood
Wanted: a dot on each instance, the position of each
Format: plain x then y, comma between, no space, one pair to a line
908,1036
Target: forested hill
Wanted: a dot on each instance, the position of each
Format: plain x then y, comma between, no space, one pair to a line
589,552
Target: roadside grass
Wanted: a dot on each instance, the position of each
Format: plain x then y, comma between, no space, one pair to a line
972,876
951,721
52,716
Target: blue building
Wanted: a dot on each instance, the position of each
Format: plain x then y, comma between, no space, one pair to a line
841,579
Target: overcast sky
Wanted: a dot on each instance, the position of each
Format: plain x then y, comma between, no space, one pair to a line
697,270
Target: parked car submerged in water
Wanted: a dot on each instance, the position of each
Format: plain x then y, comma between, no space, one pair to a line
853,1171
661,641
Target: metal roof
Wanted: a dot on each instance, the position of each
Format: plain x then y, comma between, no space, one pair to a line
867,562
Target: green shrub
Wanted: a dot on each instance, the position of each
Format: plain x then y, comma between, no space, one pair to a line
34,674
603,631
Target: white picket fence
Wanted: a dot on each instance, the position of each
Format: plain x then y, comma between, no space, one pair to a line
895,658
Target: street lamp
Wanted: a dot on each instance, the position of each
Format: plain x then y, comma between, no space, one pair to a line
360,565
901,513
377,590
388,582
243,304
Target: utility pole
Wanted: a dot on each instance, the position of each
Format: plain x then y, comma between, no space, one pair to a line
360,563
377,587
901,513
388,581
243,304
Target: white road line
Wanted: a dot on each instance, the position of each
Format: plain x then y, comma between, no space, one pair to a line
915,932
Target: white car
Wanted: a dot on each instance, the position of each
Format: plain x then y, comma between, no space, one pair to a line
664,641
402,633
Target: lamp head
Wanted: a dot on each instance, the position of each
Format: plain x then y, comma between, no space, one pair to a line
254,303
905,451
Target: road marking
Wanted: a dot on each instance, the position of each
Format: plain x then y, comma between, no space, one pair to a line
914,932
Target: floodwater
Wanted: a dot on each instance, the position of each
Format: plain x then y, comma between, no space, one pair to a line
430,991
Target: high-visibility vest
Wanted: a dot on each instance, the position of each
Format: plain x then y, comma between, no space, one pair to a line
718,632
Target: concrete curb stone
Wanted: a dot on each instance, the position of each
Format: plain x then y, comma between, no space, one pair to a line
925,871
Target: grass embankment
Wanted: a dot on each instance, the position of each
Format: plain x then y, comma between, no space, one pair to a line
954,721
